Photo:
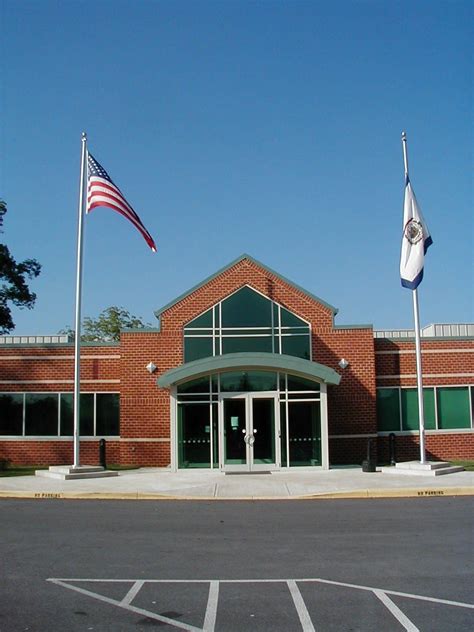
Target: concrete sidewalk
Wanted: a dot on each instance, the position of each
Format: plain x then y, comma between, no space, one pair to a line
158,483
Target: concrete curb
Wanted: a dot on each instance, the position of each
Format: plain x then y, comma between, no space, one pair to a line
349,494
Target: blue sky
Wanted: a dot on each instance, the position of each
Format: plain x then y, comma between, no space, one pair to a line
271,128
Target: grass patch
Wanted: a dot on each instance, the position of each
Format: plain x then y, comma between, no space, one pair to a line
21,470
467,465
121,468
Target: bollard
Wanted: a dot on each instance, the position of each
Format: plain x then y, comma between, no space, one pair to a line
391,443
369,464
102,454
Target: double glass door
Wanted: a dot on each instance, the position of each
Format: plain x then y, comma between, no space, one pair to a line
249,432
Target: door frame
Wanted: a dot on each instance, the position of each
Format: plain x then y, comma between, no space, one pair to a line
249,465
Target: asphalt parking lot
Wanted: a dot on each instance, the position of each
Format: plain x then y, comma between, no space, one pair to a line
388,564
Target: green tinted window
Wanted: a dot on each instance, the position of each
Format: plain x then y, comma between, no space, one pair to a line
300,384
246,308
204,320
196,348
296,346
410,411
107,414
194,435
248,344
241,381
304,428
246,322
200,385
41,414
11,414
86,414
290,320
388,409
453,408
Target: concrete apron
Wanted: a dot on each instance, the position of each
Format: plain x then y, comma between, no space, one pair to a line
158,483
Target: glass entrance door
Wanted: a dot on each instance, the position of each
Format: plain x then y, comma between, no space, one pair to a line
248,432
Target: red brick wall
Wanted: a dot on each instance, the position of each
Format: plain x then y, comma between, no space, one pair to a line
145,408
445,362
23,365
50,368
55,452
454,357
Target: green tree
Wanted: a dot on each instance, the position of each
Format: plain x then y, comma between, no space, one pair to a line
13,286
106,327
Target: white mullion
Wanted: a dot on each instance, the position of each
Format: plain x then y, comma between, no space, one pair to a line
174,428
280,348
95,412
287,422
470,389
211,432
435,389
273,326
59,414
213,330
220,327
400,413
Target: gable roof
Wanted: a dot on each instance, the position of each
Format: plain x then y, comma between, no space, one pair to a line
242,257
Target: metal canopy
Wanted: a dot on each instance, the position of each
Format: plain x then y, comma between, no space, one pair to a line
262,361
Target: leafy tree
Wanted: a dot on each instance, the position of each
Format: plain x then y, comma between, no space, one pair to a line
106,328
13,286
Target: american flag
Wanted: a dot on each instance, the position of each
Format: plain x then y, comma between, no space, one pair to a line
101,191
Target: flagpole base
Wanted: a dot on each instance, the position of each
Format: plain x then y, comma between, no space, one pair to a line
428,468
71,472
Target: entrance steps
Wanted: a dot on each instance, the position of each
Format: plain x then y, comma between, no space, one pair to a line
431,468
69,472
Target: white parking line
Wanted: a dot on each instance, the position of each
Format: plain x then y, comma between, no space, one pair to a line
127,600
130,608
213,598
446,602
395,610
300,606
211,610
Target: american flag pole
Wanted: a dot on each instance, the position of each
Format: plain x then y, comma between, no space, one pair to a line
77,326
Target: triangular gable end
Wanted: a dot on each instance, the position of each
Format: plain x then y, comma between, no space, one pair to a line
223,274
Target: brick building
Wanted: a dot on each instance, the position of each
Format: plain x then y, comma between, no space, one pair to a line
246,371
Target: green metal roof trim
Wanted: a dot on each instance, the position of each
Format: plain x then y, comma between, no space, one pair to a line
158,312
263,361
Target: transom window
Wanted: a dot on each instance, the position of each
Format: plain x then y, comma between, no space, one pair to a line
246,321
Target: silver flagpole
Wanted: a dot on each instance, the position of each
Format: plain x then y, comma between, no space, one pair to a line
77,326
419,372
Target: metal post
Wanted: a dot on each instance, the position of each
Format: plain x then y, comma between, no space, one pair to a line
77,325
419,377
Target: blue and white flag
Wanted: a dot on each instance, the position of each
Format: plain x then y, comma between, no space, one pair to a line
415,241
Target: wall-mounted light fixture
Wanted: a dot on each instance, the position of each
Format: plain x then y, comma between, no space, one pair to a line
150,367
343,363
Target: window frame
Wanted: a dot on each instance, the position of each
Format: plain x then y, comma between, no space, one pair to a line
275,330
437,429
58,435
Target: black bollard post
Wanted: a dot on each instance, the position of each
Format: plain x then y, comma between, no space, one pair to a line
391,443
102,454
369,464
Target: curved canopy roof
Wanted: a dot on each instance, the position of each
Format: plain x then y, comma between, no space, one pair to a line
262,361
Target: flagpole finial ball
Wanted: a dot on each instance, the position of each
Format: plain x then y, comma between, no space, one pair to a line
84,136
404,135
